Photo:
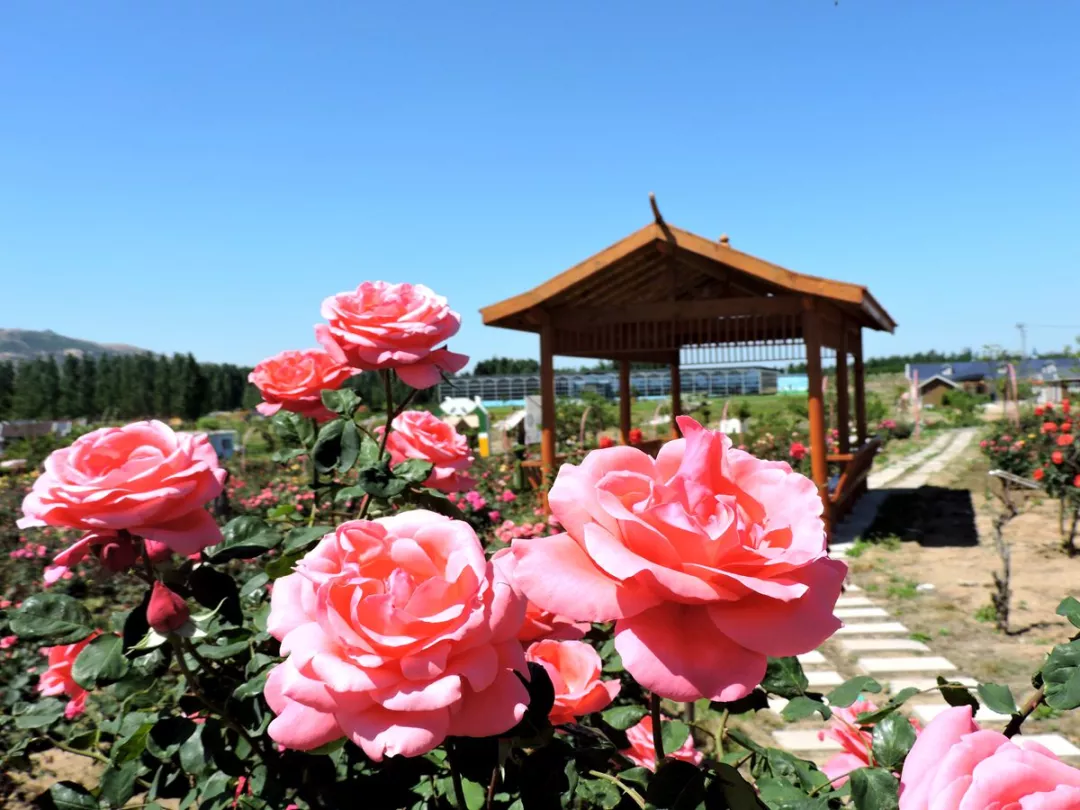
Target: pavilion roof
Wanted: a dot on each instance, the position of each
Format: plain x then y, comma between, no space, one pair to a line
663,265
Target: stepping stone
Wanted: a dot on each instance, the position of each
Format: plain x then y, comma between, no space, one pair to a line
812,657
879,644
928,711
853,601
824,677
851,587
922,684
804,740
871,628
860,613
1055,742
777,704
929,663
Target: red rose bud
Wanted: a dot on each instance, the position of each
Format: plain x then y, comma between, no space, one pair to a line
606,442
167,611
117,555
157,552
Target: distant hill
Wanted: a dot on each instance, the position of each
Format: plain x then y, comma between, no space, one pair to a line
26,344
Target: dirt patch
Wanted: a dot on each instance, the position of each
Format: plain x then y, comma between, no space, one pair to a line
955,618
49,767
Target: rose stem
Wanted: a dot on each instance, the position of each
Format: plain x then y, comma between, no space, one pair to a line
657,730
1033,702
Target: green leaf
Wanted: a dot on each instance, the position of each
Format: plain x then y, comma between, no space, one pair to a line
848,692
253,687
212,588
353,493
898,700
676,784
785,677
956,694
801,707
787,766
475,795
598,793
379,482
283,565
874,789
253,584
51,617
734,791
292,428
286,455
167,735
243,538
1061,677
1070,609
41,714
102,661
131,746
72,796
674,734
304,537
415,470
343,401
193,758
369,452
350,447
998,698
327,450
782,795
622,717
118,783
892,739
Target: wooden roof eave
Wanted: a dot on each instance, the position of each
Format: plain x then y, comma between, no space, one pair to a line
522,311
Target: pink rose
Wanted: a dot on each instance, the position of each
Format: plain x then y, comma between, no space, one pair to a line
422,435
642,752
708,559
954,766
392,326
856,741
574,669
295,380
141,478
8,641
540,624
398,633
167,611
57,680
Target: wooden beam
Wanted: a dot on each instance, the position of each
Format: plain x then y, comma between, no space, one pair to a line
624,401
676,397
816,406
843,405
860,386
547,399
578,317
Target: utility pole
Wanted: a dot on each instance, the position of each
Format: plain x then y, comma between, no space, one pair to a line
1023,340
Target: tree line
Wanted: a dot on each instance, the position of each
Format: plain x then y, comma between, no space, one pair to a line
140,386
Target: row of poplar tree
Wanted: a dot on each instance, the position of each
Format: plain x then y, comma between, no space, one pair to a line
139,386
121,387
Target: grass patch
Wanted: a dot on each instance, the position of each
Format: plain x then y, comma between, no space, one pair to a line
986,614
923,637
901,588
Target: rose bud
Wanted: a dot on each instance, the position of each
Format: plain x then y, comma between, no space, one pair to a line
117,555
157,551
167,611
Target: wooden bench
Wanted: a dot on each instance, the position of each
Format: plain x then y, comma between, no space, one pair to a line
852,481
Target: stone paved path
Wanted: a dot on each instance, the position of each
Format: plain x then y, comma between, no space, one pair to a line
872,643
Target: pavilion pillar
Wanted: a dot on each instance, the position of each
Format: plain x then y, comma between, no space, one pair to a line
843,404
676,397
624,401
860,387
811,322
547,399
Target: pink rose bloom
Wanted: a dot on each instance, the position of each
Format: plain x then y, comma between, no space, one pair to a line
141,478
507,496
708,559
392,326
955,766
8,641
642,752
295,380
398,633
57,680
574,669
540,624
844,728
422,435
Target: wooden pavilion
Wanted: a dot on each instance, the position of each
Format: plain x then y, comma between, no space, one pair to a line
666,295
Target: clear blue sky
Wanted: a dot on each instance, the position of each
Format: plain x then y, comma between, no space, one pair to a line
199,176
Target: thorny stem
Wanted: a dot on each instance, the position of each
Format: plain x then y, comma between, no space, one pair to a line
657,729
314,479
1032,703
491,787
82,752
391,414
720,734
